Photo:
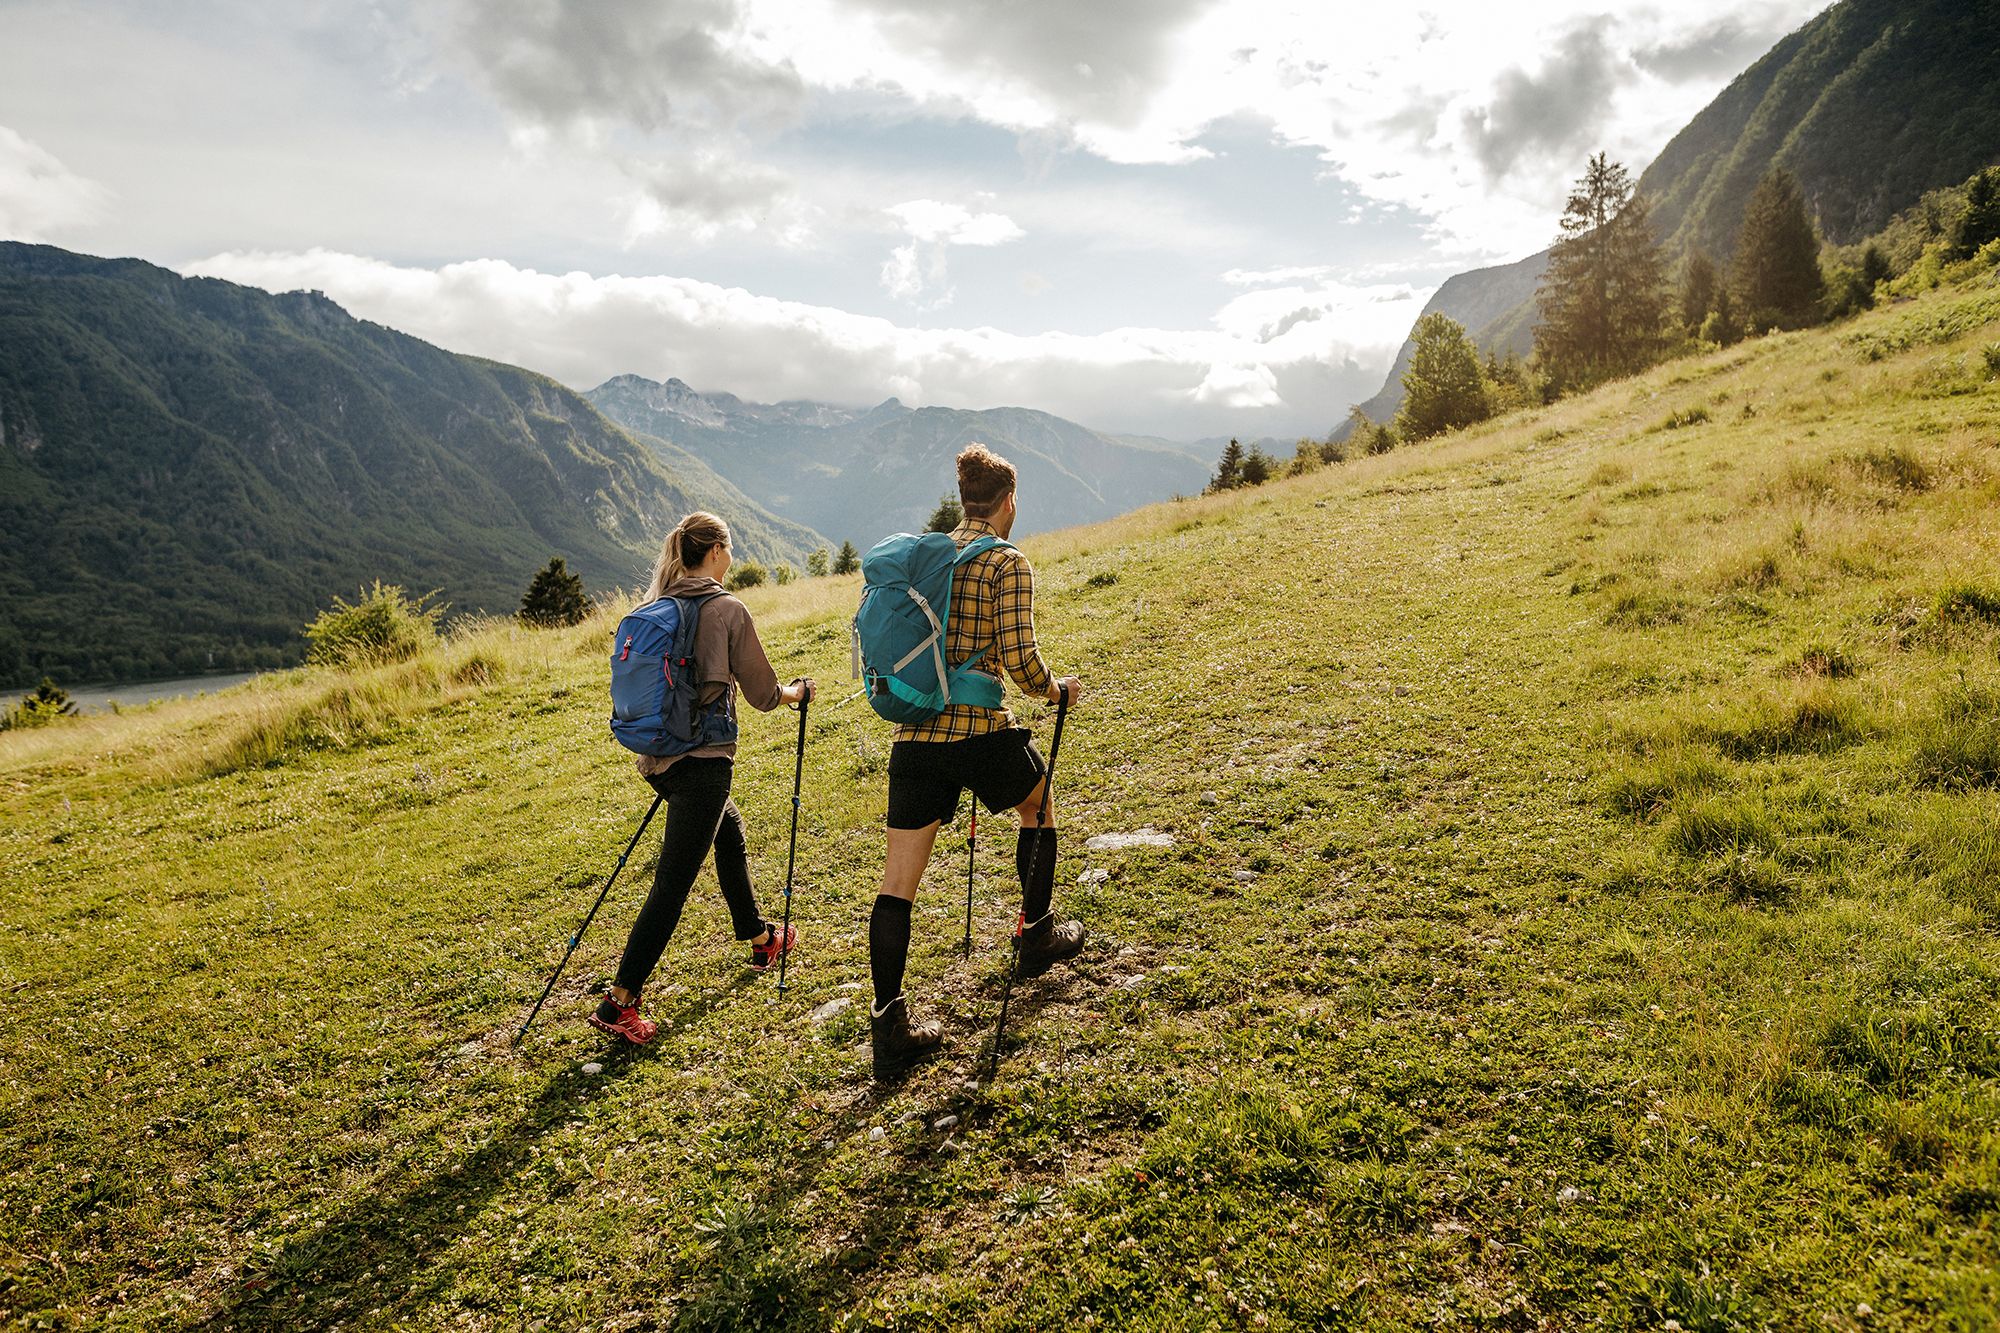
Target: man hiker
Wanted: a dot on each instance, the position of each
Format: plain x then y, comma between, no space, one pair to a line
991,625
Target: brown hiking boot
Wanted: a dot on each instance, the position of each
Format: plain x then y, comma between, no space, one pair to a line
897,1046
1045,944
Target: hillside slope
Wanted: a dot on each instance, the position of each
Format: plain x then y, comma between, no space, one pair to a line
860,474
1870,104
189,469
1580,911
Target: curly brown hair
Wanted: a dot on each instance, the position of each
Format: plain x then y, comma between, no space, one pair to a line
985,480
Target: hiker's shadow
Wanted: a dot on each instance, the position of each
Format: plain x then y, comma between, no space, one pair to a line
766,1271
372,1255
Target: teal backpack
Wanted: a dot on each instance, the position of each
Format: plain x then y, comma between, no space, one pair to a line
899,632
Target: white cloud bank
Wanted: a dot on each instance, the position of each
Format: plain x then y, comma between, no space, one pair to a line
1292,358
38,194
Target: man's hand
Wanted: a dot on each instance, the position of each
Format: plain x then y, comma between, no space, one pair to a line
799,691
1068,687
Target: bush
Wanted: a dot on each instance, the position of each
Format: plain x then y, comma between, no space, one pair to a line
818,562
386,625
783,573
49,703
749,574
554,598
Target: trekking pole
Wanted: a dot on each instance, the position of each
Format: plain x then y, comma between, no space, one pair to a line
577,938
971,850
1041,820
791,857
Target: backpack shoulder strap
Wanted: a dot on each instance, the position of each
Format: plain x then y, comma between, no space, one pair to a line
980,546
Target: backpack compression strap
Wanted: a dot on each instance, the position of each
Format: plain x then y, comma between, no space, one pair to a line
971,550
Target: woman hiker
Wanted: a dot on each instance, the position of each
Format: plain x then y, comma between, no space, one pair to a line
693,562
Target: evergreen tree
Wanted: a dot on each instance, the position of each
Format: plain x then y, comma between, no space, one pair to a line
816,563
947,516
1603,300
1698,291
1228,469
1776,270
1442,389
1874,268
1257,466
554,597
848,561
1980,222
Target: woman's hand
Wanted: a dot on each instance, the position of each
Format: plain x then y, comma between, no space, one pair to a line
802,690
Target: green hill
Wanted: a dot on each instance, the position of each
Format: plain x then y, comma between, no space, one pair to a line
1872,104
189,469
1580,911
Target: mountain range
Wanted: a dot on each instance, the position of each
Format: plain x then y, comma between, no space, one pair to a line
190,468
1871,103
858,474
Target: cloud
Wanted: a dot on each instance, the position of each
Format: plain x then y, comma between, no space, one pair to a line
1246,373
1719,48
578,68
1556,109
920,266
38,194
701,193
953,224
1264,277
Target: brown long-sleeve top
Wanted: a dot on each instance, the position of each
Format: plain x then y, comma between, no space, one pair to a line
727,656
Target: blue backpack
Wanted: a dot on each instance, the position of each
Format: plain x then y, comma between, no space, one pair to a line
654,705
899,633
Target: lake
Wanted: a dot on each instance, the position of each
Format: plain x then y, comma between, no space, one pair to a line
99,698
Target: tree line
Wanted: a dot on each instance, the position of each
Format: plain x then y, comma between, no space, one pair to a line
1607,306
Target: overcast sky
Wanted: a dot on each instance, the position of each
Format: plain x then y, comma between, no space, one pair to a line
1166,216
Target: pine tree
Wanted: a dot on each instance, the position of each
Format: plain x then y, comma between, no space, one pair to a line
1257,466
554,597
1603,299
1442,389
1776,273
1228,469
816,563
1698,289
947,516
848,561
1980,222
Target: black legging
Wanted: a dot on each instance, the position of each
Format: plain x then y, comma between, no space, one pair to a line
700,815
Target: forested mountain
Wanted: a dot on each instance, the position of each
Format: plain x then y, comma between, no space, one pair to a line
1869,104
857,474
189,468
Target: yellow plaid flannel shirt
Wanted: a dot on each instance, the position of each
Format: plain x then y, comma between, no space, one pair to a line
992,607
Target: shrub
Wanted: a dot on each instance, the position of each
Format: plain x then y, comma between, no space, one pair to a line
783,573
386,625
554,598
49,703
818,562
749,574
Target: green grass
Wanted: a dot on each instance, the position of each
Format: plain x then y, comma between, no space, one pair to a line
1581,911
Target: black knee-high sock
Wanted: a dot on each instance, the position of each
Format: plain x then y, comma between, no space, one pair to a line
1035,861
888,946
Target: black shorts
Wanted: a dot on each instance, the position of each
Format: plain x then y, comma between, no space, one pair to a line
925,777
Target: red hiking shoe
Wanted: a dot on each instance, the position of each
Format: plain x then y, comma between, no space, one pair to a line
624,1021
783,940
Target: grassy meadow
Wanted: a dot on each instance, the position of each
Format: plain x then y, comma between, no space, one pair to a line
1581,913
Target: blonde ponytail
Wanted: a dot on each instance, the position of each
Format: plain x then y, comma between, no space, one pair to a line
684,549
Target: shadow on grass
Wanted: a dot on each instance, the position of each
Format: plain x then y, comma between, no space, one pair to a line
763,1273
371,1256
